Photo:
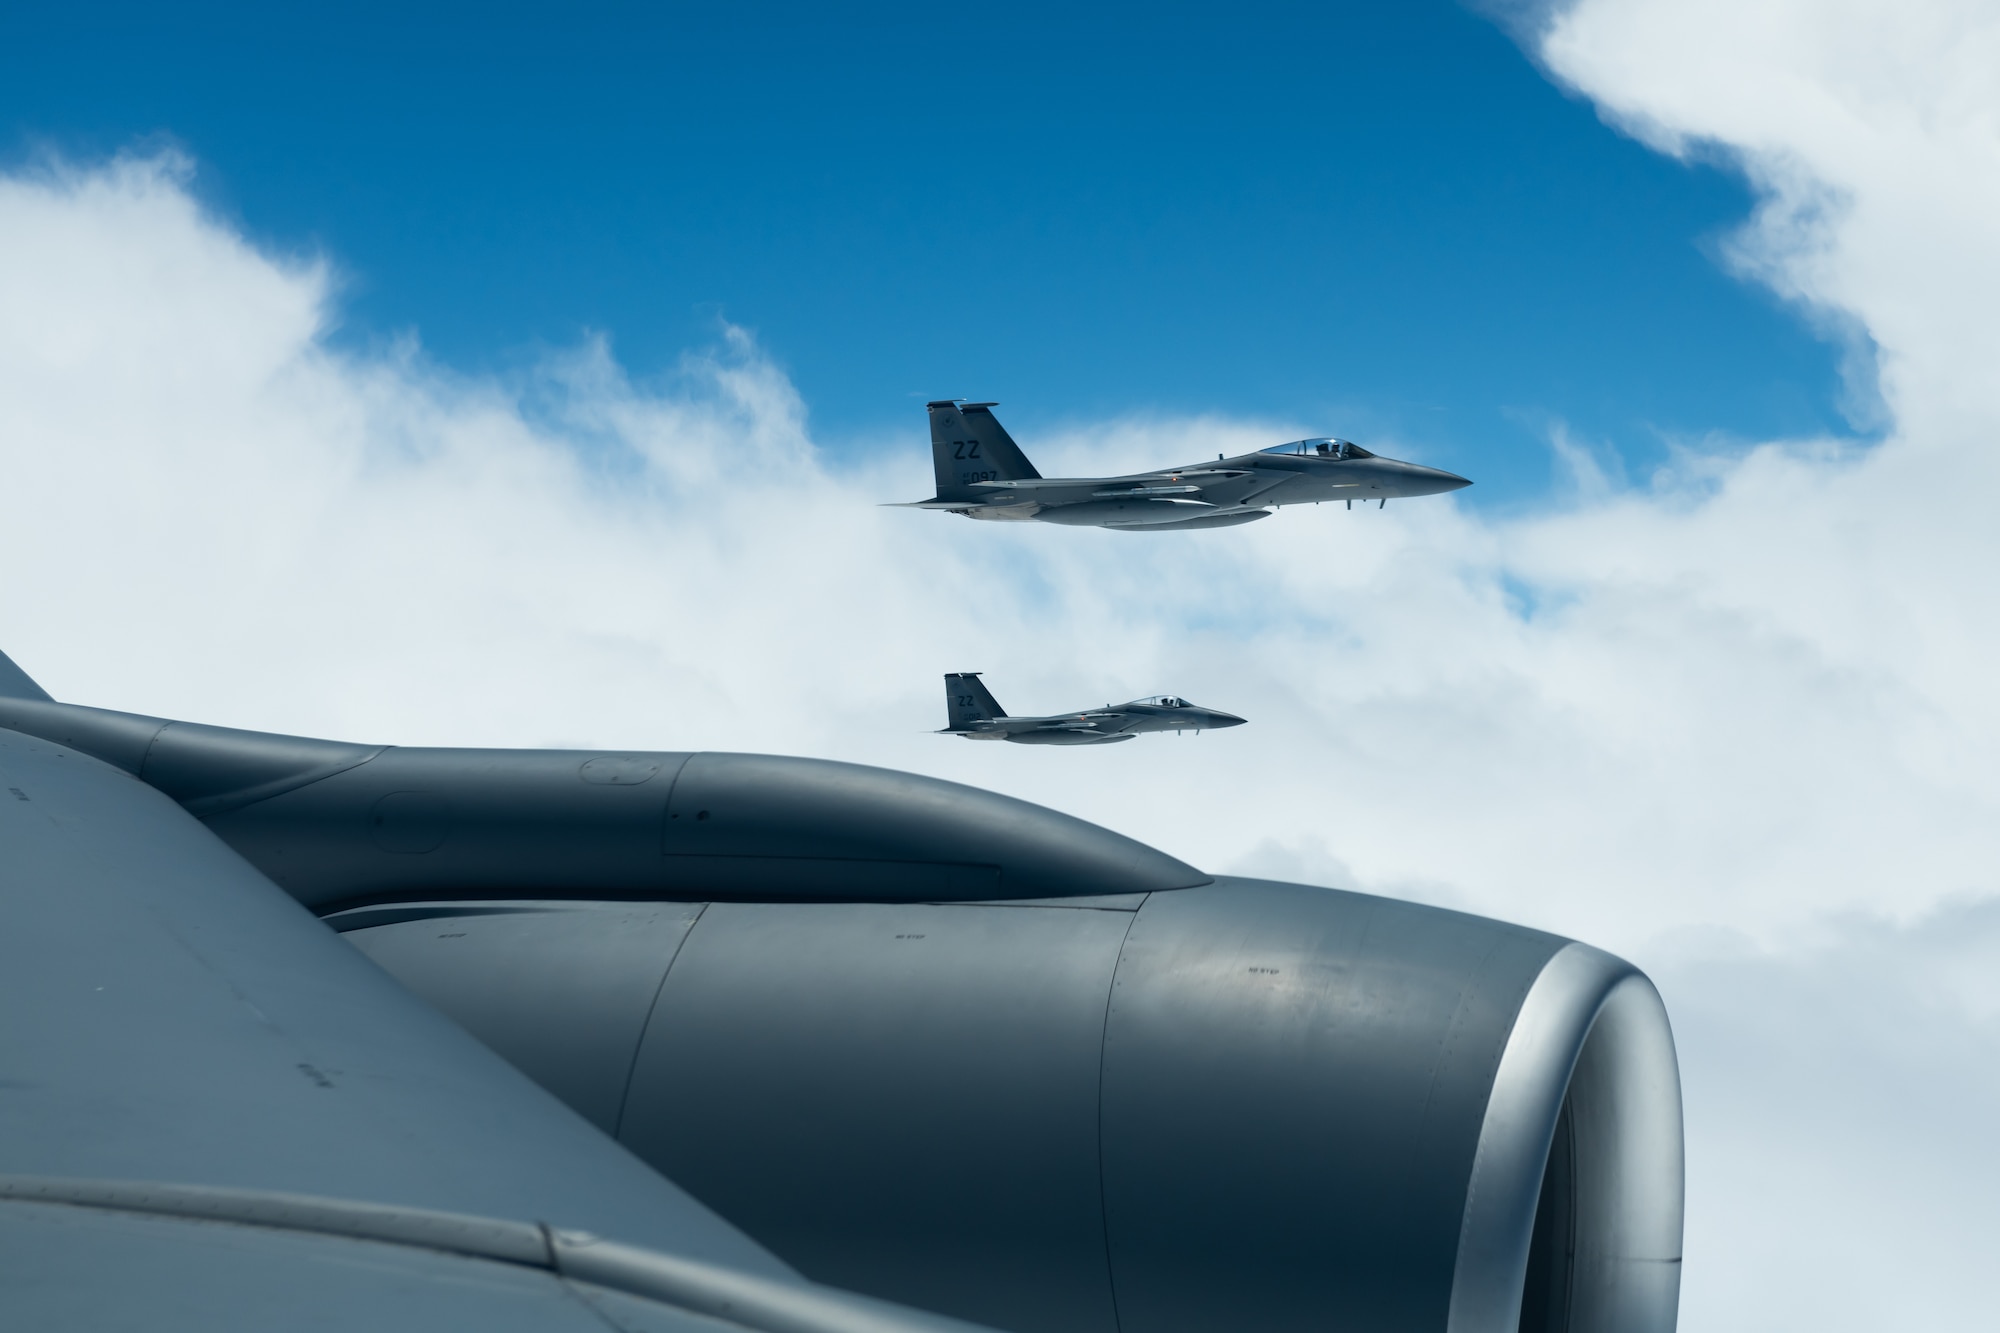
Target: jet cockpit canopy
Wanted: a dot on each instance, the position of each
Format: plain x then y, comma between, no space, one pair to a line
1326,447
1165,701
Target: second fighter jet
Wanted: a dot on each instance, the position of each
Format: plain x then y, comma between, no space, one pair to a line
975,715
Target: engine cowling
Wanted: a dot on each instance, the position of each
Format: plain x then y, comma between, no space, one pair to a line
1239,1105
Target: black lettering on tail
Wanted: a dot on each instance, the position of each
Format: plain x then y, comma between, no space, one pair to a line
966,700
969,445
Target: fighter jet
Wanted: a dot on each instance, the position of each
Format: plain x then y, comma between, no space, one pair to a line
975,715
982,473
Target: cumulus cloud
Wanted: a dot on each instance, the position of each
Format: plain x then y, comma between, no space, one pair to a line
1840,1080
1648,708
1840,1096
1732,718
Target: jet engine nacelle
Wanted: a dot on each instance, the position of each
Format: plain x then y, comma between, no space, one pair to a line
337,824
1128,1098
1240,1105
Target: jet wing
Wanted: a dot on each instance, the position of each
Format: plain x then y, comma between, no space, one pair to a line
217,1115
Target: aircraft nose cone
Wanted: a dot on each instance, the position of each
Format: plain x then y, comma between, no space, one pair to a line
1437,481
1408,480
1226,720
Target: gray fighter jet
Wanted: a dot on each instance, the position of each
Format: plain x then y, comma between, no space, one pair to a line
975,715
982,473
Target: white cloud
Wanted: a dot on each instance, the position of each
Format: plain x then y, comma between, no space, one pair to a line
1840,1081
1841,1096
1749,696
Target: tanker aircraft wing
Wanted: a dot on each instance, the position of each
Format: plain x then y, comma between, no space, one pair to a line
981,473
217,1115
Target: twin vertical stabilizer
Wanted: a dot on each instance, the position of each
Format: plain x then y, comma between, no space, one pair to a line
968,445
967,701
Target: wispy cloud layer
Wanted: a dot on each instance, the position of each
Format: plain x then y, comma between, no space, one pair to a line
1698,718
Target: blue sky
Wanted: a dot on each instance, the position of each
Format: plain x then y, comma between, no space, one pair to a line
1370,220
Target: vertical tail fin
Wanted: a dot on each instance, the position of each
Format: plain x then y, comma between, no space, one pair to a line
16,683
969,444
967,701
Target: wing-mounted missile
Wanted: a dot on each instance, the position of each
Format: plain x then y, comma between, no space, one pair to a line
1136,492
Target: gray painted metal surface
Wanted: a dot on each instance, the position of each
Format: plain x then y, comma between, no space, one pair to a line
1246,1104
561,992
335,823
100,1271
1593,1043
173,1016
1294,1083
197,1025
902,1095
982,474
673,1287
